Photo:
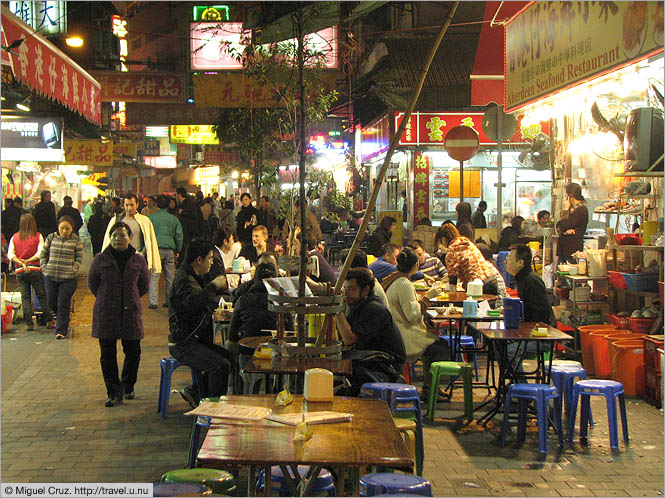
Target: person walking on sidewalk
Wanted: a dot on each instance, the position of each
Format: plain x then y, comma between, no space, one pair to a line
69,210
190,323
144,239
60,260
169,240
44,213
23,251
118,277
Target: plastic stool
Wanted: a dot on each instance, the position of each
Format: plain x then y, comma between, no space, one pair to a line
180,489
403,400
451,368
465,340
168,366
563,377
323,484
541,394
387,483
612,391
566,363
220,481
408,428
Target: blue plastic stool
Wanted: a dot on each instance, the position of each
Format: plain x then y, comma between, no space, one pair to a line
391,484
465,340
612,391
168,366
179,489
323,484
541,394
563,377
402,399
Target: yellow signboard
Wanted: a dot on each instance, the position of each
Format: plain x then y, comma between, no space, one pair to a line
192,134
551,45
90,152
124,149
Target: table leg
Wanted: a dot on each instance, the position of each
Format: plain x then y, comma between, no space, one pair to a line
267,482
292,482
341,470
356,481
308,482
251,481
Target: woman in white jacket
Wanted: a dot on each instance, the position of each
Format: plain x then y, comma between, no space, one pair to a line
407,311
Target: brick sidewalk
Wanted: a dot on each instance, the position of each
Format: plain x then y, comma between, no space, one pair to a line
55,428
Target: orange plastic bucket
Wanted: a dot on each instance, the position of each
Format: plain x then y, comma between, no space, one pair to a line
629,365
611,339
585,341
601,355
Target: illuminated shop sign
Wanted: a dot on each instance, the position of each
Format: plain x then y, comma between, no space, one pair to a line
35,139
161,162
211,13
192,134
157,131
49,18
212,45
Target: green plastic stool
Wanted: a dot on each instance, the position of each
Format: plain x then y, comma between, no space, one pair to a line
413,417
220,481
453,369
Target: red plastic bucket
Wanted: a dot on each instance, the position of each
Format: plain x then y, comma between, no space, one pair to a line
7,318
611,339
628,360
585,341
601,355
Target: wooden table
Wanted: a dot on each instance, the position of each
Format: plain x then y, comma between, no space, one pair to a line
369,439
499,338
254,342
280,365
457,297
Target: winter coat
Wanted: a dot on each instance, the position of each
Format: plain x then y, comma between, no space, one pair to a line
44,213
117,313
97,225
408,316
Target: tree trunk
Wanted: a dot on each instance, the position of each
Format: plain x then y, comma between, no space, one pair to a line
298,18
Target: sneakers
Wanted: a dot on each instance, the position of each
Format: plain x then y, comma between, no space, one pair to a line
130,395
189,397
60,336
153,306
113,401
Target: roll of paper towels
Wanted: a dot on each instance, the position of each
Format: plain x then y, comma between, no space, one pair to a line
318,385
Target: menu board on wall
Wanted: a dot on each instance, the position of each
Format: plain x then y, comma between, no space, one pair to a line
551,45
439,191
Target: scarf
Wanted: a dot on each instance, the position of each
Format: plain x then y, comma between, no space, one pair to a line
390,279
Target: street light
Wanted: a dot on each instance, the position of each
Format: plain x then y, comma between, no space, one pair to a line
24,105
74,41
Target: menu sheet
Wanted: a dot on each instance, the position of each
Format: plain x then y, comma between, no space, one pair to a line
230,411
324,417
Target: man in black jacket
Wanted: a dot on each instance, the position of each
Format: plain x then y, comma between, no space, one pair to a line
191,339
69,210
44,213
369,327
190,217
246,219
11,218
531,290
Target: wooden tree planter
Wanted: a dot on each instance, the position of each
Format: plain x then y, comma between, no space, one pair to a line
329,347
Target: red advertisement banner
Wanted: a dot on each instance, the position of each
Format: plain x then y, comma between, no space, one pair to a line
141,86
430,128
215,154
41,66
421,169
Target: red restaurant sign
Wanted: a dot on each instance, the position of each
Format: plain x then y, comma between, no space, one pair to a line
40,65
421,192
141,87
430,128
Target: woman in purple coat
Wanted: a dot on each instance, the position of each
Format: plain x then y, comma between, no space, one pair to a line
118,278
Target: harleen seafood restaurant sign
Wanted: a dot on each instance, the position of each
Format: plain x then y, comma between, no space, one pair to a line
552,45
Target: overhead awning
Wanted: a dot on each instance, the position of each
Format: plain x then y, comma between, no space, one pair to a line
487,76
41,66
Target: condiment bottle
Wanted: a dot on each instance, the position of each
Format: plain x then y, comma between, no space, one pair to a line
581,267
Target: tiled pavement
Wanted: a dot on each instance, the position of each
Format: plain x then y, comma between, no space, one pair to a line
55,428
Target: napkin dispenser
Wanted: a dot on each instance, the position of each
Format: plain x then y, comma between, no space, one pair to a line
318,385
475,288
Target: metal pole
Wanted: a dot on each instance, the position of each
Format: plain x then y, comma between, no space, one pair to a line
391,149
302,159
499,163
461,181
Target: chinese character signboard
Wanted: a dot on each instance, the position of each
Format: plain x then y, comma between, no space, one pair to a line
551,45
90,152
431,128
141,87
230,90
49,18
192,134
39,65
216,154
124,150
421,168
168,114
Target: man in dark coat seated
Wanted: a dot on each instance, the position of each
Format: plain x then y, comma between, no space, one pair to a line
379,352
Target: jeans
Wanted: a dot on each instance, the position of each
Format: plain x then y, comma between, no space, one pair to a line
116,386
33,279
213,361
60,299
168,269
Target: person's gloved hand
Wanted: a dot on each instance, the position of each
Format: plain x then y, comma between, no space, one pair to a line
434,291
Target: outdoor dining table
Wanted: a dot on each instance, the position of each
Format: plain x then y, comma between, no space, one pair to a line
498,338
370,438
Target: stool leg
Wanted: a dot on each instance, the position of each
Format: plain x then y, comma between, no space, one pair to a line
468,393
193,444
584,416
557,419
521,420
504,425
161,388
571,417
612,421
166,393
624,419
433,393
541,409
